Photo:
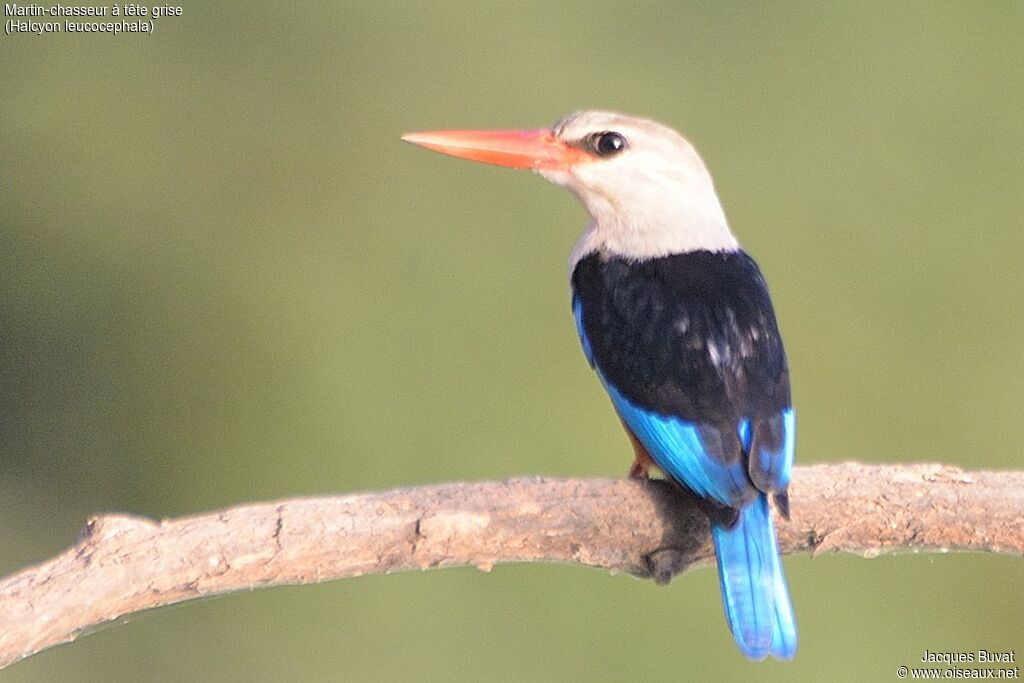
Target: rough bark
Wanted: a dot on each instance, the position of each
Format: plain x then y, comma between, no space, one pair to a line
123,564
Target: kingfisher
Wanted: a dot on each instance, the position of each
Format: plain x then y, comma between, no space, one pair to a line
675,319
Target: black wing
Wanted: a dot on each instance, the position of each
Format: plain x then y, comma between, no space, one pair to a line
693,336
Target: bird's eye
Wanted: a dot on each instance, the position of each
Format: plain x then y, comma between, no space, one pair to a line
607,144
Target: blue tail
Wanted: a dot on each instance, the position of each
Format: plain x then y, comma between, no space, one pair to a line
754,591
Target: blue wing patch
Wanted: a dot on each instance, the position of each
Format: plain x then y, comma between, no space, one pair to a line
577,313
744,432
678,448
676,445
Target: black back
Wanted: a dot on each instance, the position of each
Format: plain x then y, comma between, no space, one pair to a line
691,335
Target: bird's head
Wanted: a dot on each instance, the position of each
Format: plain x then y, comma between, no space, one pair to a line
645,187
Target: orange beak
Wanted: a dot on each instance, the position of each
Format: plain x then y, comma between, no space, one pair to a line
533,149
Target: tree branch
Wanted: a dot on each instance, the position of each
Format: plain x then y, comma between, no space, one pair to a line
123,564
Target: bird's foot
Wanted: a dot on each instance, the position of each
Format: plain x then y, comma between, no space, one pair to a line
640,469
641,458
663,565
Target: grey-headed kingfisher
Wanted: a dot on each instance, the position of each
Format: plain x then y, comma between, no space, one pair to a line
676,320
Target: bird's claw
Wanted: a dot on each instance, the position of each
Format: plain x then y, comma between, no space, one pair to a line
640,469
663,564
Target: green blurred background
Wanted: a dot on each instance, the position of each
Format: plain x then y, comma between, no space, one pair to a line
223,278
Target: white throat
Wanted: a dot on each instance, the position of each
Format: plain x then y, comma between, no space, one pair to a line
640,228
